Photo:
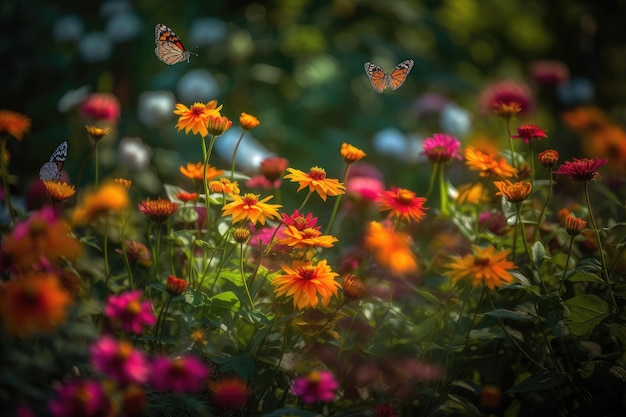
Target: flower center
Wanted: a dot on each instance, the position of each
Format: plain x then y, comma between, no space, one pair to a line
480,260
317,174
310,232
299,222
30,297
250,199
314,378
307,273
134,307
405,196
197,109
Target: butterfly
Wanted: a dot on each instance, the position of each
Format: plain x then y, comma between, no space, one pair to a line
381,80
51,170
169,48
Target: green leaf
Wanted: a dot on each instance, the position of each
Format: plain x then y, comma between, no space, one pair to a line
226,300
583,276
194,297
426,295
543,382
538,253
509,314
586,311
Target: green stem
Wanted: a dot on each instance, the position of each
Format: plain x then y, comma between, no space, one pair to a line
232,165
443,195
243,276
305,201
532,163
105,249
161,321
508,131
337,201
431,182
129,270
82,167
4,173
605,273
206,154
543,209
97,163
569,254
158,250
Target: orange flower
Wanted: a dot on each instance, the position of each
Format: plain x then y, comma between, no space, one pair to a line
109,197
273,167
488,164
548,158
14,124
158,210
573,225
306,238
217,125
224,185
249,207
353,288
248,121
484,266
316,181
123,181
515,192
33,304
308,284
97,133
195,118
186,197
241,234
472,194
59,191
196,171
391,249
402,204
176,286
351,153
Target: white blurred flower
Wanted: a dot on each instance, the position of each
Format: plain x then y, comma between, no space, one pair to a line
207,31
156,107
134,153
249,154
392,142
123,26
68,28
197,85
95,47
73,98
455,120
578,90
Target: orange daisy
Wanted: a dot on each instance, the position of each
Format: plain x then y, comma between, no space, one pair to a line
158,210
351,153
248,121
515,192
249,207
110,197
224,185
316,181
306,238
196,171
488,164
59,191
125,182
484,266
194,118
217,125
13,123
391,249
308,284
402,204
33,303
97,133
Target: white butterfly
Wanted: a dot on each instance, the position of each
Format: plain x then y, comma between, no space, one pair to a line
51,170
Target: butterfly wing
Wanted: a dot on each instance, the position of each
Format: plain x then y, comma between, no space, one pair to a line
399,74
377,76
51,170
169,48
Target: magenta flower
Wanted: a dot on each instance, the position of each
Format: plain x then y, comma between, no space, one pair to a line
119,360
528,132
581,170
101,106
300,221
441,148
506,93
131,314
316,386
78,398
46,215
183,374
549,72
259,182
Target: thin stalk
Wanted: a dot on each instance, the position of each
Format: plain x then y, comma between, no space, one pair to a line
431,181
305,201
532,163
337,201
97,164
161,321
243,276
508,131
206,154
443,195
232,165
543,209
82,167
569,254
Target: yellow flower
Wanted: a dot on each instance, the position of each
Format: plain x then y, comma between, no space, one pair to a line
14,124
308,284
217,125
123,181
58,191
316,181
249,207
515,192
484,266
195,118
33,304
248,121
109,197
97,133
351,153
472,194
196,171
306,238
224,185
391,249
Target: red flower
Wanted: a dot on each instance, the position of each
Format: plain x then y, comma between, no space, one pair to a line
403,204
581,170
528,132
506,93
300,221
229,393
101,106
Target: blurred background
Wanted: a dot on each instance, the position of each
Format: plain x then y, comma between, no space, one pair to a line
298,66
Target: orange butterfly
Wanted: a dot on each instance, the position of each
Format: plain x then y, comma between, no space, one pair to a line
381,80
169,48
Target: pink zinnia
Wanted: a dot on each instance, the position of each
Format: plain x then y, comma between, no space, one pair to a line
316,386
300,221
78,398
119,360
581,170
506,93
528,132
441,148
183,374
259,182
101,106
549,72
131,314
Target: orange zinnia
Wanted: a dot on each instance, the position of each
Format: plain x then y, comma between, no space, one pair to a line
196,171
351,153
249,207
195,118
248,121
515,192
484,266
316,181
224,185
308,284
110,197
391,249
33,303
306,238
402,204
59,191
14,124
488,164
158,210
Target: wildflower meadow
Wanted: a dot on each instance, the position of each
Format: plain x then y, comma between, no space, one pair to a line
195,272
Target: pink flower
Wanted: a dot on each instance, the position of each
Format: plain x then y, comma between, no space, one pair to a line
316,386
549,72
119,360
46,215
364,183
300,221
131,314
528,132
78,398
581,170
259,182
183,374
441,148
101,106
506,93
